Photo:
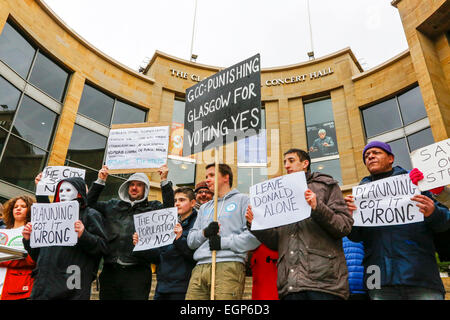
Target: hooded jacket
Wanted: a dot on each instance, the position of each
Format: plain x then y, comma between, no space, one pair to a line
404,253
54,264
119,221
311,257
235,240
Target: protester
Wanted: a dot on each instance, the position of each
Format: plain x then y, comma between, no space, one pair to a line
55,264
263,263
124,276
311,264
403,253
354,255
228,236
16,280
175,261
202,194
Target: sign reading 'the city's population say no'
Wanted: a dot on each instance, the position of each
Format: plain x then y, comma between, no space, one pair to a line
224,107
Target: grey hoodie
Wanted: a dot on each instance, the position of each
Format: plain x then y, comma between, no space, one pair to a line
123,189
236,239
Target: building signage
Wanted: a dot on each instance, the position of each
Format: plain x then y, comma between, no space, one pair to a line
269,83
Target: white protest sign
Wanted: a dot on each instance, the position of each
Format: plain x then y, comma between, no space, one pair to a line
386,202
54,224
137,148
279,201
155,228
51,175
434,162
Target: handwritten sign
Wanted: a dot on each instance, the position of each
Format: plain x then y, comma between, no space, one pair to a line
224,106
155,228
54,224
386,202
434,162
137,148
51,175
279,201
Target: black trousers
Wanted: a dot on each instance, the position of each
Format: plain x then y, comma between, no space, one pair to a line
125,282
311,295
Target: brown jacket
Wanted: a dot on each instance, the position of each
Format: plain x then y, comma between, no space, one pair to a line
310,251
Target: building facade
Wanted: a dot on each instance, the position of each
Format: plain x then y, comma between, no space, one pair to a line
59,96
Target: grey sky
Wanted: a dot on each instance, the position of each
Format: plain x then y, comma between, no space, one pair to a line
233,30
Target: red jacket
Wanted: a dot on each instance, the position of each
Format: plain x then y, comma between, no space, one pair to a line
18,280
264,271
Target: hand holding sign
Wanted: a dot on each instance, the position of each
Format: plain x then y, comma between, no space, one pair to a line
425,204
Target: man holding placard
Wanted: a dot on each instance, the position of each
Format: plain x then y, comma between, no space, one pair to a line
124,276
311,264
67,255
398,237
228,236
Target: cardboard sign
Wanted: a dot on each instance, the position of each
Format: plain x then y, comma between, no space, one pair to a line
137,149
11,246
51,175
279,201
54,224
386,202
155,228
225,106
434,162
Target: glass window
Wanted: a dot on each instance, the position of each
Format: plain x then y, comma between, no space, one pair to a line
86,147
15,51
34,123
181,173
320,130
331,167
420,139
9,97
49,77
124,113
254,149
250,176
412,106
3,135
376,121
21,163
401,153
96,105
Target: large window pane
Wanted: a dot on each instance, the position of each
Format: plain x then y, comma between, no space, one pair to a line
124,113
250,176
34,122
320,130
15,51
49,77
412,106
21,163
3,135
9,97
181,173
420,139
381,118
96,105
401,153
331,167
86,147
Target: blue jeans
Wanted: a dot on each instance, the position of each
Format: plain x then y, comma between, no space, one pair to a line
405,293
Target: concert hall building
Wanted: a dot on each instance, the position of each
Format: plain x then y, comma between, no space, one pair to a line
59,97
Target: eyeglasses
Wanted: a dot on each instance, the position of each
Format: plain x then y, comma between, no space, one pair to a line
204,191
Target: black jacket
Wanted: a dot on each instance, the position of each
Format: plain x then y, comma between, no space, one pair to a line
119,222
52,263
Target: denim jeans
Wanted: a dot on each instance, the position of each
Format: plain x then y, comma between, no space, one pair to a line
405,293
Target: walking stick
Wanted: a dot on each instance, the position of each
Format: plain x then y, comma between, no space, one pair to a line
216,191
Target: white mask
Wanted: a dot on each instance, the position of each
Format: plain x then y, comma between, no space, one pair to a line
67,192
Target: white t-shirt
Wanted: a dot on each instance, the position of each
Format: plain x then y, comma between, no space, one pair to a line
10,238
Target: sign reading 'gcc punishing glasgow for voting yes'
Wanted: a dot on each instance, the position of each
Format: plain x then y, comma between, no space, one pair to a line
223,107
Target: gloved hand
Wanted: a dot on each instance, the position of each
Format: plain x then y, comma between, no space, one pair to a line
415,175
214,243
211,230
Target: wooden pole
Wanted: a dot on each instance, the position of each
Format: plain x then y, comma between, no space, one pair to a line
216,191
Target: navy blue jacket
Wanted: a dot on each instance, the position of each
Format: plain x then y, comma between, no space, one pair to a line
405,253
354,255
174,261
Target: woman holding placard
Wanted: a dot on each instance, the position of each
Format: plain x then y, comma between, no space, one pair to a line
18,280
